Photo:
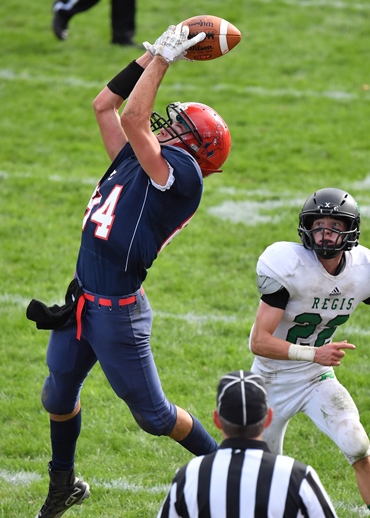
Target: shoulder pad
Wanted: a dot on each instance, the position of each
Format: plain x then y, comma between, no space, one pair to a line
266,285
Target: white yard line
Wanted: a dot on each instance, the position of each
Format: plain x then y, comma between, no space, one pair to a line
248,210
11,75
23,478
197,319
19,478
123,485
192,318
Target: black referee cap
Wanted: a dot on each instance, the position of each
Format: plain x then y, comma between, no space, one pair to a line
242,398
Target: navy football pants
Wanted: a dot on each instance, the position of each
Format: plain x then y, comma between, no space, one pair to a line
117,337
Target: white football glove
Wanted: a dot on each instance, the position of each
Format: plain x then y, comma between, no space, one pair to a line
173,43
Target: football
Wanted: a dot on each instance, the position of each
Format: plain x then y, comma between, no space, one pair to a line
221,37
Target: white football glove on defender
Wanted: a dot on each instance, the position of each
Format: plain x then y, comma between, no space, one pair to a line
173,43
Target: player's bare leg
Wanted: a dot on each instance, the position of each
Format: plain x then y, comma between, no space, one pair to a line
66,417
183,425
362,472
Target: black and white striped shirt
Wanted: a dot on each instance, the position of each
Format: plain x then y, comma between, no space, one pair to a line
242,479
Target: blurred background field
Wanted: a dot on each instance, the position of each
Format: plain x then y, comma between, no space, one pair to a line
295,93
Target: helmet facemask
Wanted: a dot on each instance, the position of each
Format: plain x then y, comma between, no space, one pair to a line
176,113
327,249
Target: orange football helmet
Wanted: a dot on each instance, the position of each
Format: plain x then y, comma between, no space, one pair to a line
206,136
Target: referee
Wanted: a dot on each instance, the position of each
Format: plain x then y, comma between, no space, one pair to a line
242,479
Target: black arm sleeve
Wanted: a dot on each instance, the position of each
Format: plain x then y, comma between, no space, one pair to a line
124,82
279,299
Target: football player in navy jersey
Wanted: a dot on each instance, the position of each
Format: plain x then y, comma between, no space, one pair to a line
307,290
148,194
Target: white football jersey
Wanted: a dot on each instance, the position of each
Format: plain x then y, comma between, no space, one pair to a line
319,302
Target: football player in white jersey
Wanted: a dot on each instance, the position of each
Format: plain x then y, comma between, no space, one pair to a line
307,291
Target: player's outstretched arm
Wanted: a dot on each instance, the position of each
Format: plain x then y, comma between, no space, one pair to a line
110,99
136,116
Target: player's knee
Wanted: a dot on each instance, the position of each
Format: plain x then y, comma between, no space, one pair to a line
352,440
55,402
156,425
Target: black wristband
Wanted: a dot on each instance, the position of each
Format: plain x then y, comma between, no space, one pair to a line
124,82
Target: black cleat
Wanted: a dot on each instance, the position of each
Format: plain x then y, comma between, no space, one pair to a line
65,490
60,24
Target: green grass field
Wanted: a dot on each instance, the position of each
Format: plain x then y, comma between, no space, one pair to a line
295,93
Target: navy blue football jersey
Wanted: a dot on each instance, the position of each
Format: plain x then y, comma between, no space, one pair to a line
128,220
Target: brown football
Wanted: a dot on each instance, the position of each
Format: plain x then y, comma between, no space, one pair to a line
221,37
